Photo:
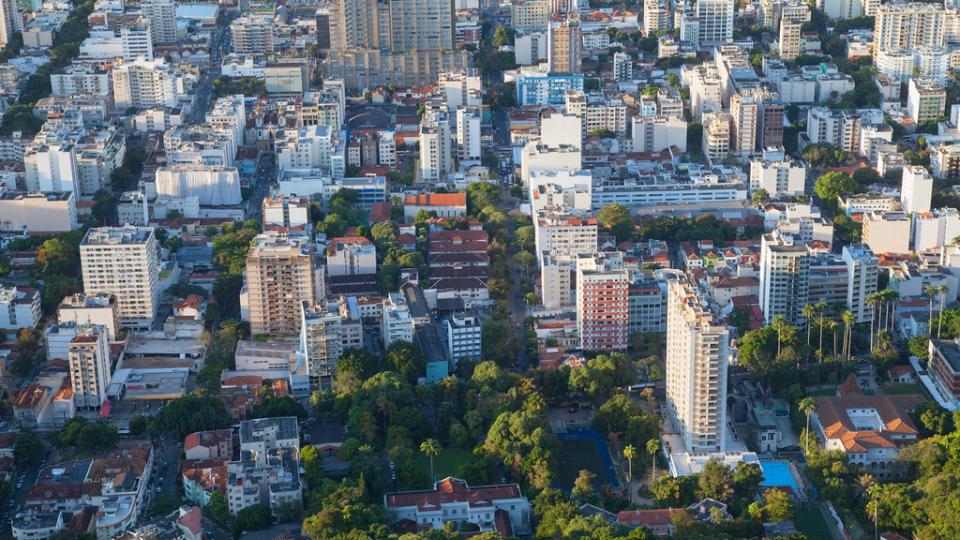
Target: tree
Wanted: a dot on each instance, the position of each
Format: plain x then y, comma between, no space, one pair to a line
942,289
88,436
616,219
777,505
275,407
653,446
27,450
630,454
502,36
715,481
499,342
190,413
929,291
759,196
253,518
807,406
431,449
833,184
583,485
406,359
138,425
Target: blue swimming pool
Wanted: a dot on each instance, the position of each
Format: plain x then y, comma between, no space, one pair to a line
777,474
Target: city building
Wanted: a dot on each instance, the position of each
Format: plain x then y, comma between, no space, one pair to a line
252,34
926,100
468,135
100,309
19,308
10,21
793,16
38,213
279,276
916,189
436,157
863,270
784,277
321,342
778,176
908,25
211,185
886,232
565,46
463,337
498,508
716,136
715,22
268,471
124,261
89,358
348,256
286,213
162,15
146,83
935,229
602,303
445,205
697,355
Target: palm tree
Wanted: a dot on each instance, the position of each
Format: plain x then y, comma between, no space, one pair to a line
872,301
832,326
892,297
930,291
630,452
943,297
821,308
848,320
807,405
431,449
653,446
808,313
779,324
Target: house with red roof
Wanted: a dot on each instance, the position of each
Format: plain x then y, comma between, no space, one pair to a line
445,205
212,444
500,508
659,521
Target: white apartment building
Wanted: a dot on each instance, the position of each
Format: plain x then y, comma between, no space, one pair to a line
863,270
51,167
313,147
784,277
137,41
887,232
706,90
716,136
926,100
252,34
101,309
468,135
539,158
696,369
558,234
213,186
89,357
792,19
656,17
396,323
561,130
19,308
162,15
745,116
778,177
622,67
268,470
908,26
463,337
124,261
10,21
229,114
916,189
146,83
716,21
436,158
38,213
658,133
321,343
935,229
286,212
80,79
349,256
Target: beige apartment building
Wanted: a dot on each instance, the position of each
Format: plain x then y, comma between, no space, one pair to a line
279,277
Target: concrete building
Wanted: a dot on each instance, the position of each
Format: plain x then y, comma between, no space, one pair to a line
89,357
557,234
10,21
313,147
463,337
622,67
716,136
252,34
907,26
784,277
268,469
396,322
286,212
602,303
146,83
162,15
124,261
349,256
468,135
656,17
436,157
500,508
530,15
779,176
792,19
38,213
80,79
657,133
916,189
935,229
101,309
19,308
565,46
863,274
446,205
887,232
321,342
926,100
697,355
136,40
280,275
213,186
715,19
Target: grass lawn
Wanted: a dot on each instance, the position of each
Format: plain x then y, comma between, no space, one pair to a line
577,455
902,388
810,521
446,463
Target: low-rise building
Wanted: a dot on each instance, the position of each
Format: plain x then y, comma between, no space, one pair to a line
19,308
268,471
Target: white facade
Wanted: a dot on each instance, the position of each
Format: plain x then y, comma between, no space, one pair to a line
784,277
935,229
313,147
463,333
436,158
658,133
697,355
80,80
145,83
716,21
468,135
163,19
19,308
887,232
213,186
561,130
38,213
863,269
89,357
51,167
396,322
124,261
916,189
779,177
351,256
137,42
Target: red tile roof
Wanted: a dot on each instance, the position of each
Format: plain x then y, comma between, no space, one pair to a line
436,199
453,490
